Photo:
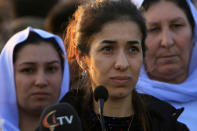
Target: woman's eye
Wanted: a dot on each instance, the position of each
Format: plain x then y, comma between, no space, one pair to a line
155,29
175,26
52,69
134,49
107,49
27,70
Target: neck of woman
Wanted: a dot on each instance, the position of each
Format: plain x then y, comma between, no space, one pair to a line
121,107
28,121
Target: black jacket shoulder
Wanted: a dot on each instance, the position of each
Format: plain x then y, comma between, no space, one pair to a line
163,115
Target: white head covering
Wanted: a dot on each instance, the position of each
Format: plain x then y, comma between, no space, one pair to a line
180,93
1,123
8,103
137,3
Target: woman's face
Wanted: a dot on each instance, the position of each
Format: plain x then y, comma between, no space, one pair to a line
115,57
169,42
38,77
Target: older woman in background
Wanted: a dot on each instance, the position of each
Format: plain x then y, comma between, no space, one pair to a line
170,70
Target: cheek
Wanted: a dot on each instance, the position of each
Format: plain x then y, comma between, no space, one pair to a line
135,67
184,43
21,86
56,94
94,72
56,82
21,93
184,40
186,51
97,70
151,44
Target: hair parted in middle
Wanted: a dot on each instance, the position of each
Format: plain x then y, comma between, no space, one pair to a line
89,19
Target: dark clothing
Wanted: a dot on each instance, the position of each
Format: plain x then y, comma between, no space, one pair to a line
162,116
114,123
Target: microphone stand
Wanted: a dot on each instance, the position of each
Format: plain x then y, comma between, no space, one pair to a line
101,103
101,95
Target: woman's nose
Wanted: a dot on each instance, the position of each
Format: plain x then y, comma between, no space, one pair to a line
41,79
121,62
167,38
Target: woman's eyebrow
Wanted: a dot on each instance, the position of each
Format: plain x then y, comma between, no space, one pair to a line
34,63
177,19
108,42
53,62
133,42
113,42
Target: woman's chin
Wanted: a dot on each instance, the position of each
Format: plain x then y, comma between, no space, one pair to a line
119,94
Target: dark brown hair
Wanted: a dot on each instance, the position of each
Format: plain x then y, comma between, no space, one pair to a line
88,20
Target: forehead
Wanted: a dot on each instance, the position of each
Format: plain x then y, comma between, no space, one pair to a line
164,10
118,29
37,52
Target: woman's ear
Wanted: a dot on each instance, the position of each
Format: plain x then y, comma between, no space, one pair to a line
81,59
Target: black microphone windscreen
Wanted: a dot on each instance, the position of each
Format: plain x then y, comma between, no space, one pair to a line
59,117
100,93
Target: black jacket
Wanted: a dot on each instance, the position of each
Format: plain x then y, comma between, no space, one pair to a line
162,116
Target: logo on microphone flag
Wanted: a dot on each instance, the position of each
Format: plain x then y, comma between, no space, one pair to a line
51,121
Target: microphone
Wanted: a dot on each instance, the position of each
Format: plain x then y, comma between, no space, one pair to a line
59,117
101,95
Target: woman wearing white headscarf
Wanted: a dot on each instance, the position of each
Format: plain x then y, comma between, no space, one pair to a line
39,62
170,70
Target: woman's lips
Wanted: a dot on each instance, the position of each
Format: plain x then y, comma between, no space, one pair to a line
40,94
168,57
121,80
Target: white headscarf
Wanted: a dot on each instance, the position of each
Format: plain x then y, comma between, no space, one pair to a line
137,3
179,93
8,102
